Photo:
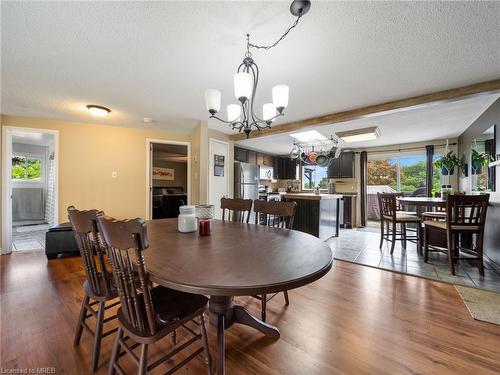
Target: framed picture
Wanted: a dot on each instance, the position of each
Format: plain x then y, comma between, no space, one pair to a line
219,165
163,174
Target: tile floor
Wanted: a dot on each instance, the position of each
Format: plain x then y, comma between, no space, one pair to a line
24,241
362,246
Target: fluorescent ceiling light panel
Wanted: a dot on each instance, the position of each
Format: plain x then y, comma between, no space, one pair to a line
359,135
308,136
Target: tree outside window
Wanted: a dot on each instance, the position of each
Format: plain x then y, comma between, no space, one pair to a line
26,168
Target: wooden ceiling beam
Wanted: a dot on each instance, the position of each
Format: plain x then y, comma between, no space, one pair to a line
379,109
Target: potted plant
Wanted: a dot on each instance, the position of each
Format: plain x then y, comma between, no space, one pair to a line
447,163
478,160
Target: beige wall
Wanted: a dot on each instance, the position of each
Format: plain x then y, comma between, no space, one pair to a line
88,154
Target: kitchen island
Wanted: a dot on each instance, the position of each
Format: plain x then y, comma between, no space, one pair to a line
316,214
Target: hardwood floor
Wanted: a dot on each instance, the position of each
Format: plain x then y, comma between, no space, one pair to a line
355,320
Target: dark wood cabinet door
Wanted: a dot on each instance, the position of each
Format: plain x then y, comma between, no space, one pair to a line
240,154
347,212
260,159
347,165
334,169
252,157
267,160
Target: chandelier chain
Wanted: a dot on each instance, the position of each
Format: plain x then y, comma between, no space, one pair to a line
251,45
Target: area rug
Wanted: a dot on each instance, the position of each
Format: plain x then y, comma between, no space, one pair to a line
482,304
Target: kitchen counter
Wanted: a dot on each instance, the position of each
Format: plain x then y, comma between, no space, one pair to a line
316,214
312,196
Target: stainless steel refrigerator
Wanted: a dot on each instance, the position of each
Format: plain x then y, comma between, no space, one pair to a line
246,182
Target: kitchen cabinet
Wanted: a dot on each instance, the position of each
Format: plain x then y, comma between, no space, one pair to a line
285,169
245,156
349,213
343,167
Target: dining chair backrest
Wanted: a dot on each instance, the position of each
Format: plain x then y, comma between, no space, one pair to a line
388,205
237,209
92,248
128,239
399,206
275,213
467,210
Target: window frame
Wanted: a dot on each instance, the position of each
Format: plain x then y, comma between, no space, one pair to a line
302,180
26,156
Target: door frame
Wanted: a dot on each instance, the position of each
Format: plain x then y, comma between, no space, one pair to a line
211,165
149,175
6,245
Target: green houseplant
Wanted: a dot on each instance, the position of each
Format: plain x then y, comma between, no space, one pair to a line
447,163
479,159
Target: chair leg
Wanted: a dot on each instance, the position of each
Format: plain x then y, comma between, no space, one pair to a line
479,250
143,360
419,238
393,237
263,312
81,320
204,337
381,233
451,250
426,244
287,301
403,234
114,353
98,336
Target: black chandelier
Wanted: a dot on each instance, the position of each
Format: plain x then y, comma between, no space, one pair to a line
242,116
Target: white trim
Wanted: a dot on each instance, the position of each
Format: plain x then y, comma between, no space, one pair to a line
6,245
210,165
149,181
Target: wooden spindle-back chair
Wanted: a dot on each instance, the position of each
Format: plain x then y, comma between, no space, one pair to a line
390,216
237,209
147,314
279,215
274,213
98,286
465,215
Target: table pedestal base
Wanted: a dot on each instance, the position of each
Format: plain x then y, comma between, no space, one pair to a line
223,313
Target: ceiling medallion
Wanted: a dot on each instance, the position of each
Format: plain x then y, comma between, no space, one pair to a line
242,116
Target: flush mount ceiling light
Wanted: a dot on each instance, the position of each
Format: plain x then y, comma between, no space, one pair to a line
358,135
98,111
242,116
308,136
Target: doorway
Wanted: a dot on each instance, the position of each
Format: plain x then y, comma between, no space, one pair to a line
169,177
29,194
218,182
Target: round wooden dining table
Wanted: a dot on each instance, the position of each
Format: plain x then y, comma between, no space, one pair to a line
237,259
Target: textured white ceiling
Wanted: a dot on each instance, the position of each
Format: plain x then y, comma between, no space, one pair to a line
438,121
155,59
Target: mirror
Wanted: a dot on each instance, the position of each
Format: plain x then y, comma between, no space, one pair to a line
483,152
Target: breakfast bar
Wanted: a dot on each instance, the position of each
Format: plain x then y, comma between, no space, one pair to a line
316,214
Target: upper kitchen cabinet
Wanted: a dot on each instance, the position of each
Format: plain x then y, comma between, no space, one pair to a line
245,156
343,167
285,169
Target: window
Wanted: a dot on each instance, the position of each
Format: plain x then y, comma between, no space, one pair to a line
26,168
404,172
314,176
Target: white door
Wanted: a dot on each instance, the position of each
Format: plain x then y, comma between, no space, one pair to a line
218,180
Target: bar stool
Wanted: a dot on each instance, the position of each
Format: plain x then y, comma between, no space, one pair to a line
391,216
465,215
